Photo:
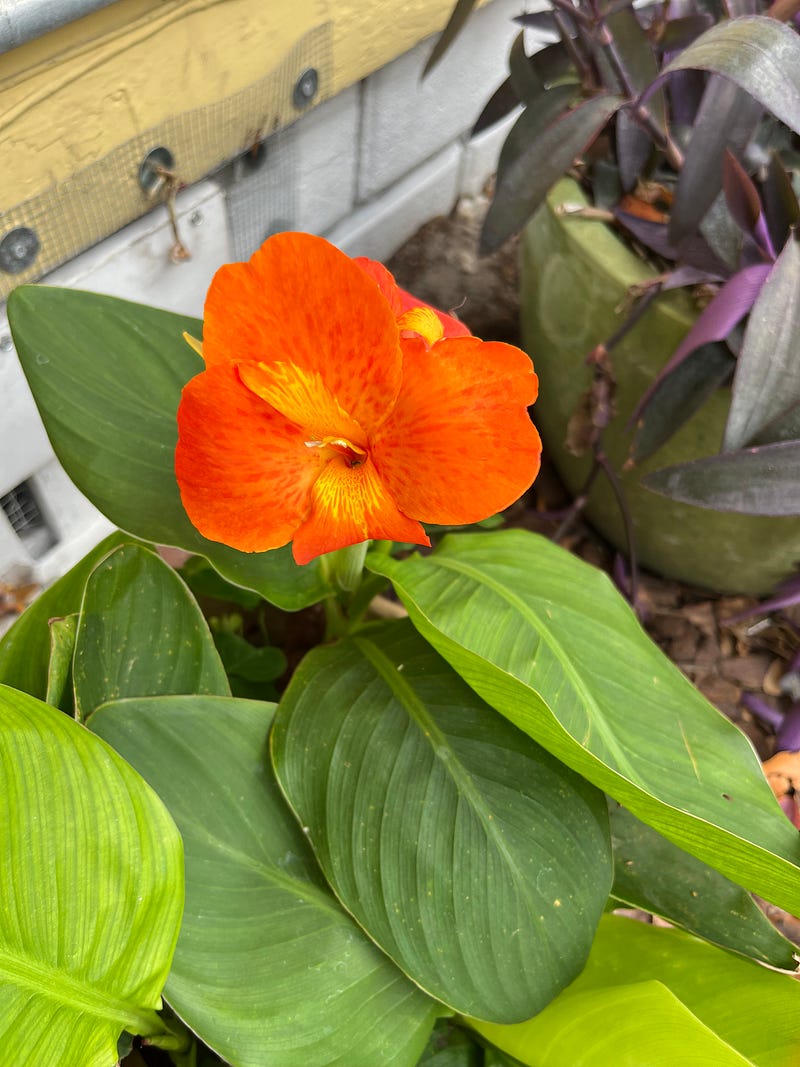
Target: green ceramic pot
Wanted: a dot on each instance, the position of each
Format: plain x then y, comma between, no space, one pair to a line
575,275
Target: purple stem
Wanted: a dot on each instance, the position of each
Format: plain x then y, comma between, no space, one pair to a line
787,738
762,710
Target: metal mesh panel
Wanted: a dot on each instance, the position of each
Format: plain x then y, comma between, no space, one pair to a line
74,214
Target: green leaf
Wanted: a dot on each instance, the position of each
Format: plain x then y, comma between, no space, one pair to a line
767,379
450,1046
653,874
141,634
62,646
479,863
263,664
656,996
626,1026
107,377
754,481
759,54
92,889
528,178
25,648
548,641
268,968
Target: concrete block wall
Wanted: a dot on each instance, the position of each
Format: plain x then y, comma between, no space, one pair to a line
366,169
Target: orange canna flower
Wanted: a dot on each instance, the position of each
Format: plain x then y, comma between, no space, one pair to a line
335,408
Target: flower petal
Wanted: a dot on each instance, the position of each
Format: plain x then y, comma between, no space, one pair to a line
244,471
300,300
350,505
401,301
459,444
302,397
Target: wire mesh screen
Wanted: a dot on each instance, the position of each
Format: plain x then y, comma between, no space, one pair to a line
74,214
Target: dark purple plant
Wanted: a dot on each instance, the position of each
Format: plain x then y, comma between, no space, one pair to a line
696,104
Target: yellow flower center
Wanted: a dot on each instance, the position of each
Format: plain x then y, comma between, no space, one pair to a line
354,456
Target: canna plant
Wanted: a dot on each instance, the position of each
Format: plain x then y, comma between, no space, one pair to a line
408,857
679,122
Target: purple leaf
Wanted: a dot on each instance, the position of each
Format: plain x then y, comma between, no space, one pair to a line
679,396
727,119
685,89
536,20
549,65
634,146
527,85
758,54
652,235
714,323
683,276
456,22
754,481
744,204
525,183
678,33
531,124
780,201
767,379
699,262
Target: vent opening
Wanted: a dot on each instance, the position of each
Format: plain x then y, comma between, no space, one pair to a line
27,521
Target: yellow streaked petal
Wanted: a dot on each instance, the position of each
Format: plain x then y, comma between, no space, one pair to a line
301,396
423,321
349,504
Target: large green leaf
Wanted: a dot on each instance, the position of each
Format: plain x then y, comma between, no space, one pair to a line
548,641
107,377
141,633
92,890
25,649
473,858
767,379
759,54
652,873
268,968
652,997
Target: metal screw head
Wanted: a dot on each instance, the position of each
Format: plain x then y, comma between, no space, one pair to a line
156,159
305,88
18,249
196,218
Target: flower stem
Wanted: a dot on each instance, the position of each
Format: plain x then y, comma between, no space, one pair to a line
348,566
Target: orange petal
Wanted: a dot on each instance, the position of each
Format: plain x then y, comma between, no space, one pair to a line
401,301
300,300
244,471
301,396
459,445
350,505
